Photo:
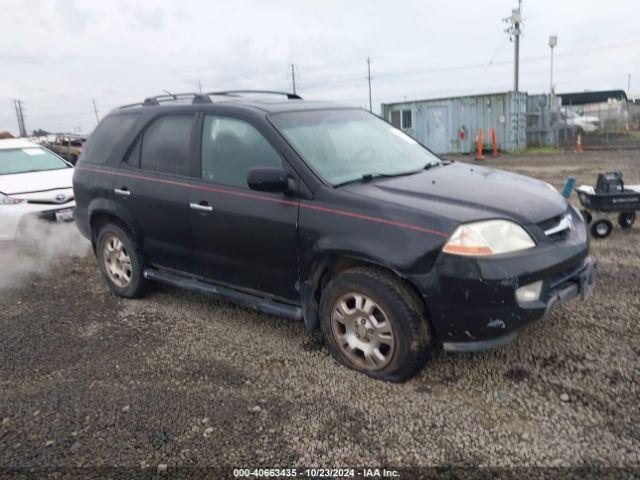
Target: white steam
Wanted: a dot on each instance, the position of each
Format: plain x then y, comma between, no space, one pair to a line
41,245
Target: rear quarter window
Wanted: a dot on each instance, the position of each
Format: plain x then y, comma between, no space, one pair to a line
108,138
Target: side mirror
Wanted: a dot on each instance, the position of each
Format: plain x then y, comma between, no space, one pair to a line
269,179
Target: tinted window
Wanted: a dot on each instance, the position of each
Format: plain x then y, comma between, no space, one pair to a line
231,147
106,136
165,144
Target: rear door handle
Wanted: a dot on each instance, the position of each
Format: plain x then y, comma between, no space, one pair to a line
123,192
201,207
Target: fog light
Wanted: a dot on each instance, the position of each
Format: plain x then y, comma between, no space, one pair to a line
529,293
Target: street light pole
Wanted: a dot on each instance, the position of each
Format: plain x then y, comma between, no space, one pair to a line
553,41
369,79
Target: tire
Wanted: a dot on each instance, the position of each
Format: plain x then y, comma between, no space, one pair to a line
601,228
626,219
588,218
130,282
396,311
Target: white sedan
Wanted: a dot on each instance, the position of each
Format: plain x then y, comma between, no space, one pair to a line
35,184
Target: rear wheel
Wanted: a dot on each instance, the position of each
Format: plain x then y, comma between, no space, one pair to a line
120,264
626,219
601,228
374,324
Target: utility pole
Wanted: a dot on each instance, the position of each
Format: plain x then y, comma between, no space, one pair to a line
369,79
199,87
95,110
293,77
629,84
17,103
514,23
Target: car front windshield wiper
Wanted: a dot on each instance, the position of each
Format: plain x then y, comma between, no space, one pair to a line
367,177
437,164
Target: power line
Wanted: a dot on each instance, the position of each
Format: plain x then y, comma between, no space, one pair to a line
355,78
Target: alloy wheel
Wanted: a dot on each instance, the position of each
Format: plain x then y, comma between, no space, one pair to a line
117,261
363,331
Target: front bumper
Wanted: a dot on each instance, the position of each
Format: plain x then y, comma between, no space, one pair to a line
472,301
579,281
15,219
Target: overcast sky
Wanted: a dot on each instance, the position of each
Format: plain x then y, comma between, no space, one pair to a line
58,55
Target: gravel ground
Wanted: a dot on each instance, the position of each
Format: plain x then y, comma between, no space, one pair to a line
179,379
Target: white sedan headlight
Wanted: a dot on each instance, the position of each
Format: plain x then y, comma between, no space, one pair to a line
490,237
6,200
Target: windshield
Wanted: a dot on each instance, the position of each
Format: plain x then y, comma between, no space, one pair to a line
30,159
346,145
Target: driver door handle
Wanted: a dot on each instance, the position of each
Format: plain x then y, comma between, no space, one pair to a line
123,192
201,207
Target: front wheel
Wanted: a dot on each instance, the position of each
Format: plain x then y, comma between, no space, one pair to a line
119,262
374,324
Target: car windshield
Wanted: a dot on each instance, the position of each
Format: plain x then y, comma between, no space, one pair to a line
346,145
30,159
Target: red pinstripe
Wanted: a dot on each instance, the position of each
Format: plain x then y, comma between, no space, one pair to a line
253,196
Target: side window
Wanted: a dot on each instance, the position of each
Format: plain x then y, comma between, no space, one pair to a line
165,144
230,148
106,139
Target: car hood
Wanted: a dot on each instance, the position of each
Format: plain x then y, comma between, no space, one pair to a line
29,182
466,193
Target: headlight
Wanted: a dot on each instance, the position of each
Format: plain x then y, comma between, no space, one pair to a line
490,237
6,200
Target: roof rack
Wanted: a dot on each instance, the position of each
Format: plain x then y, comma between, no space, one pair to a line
206,97
235,93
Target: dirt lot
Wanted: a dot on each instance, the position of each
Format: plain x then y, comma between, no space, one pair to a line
179,379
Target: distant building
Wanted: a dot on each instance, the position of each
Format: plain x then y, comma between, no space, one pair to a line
5,135
450,125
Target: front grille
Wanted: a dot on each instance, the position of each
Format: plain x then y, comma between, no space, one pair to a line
558,223
552,222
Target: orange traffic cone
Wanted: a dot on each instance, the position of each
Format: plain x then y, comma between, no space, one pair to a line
495,144
579,144
479,142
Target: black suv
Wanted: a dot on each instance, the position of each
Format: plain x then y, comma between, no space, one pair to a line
327,214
